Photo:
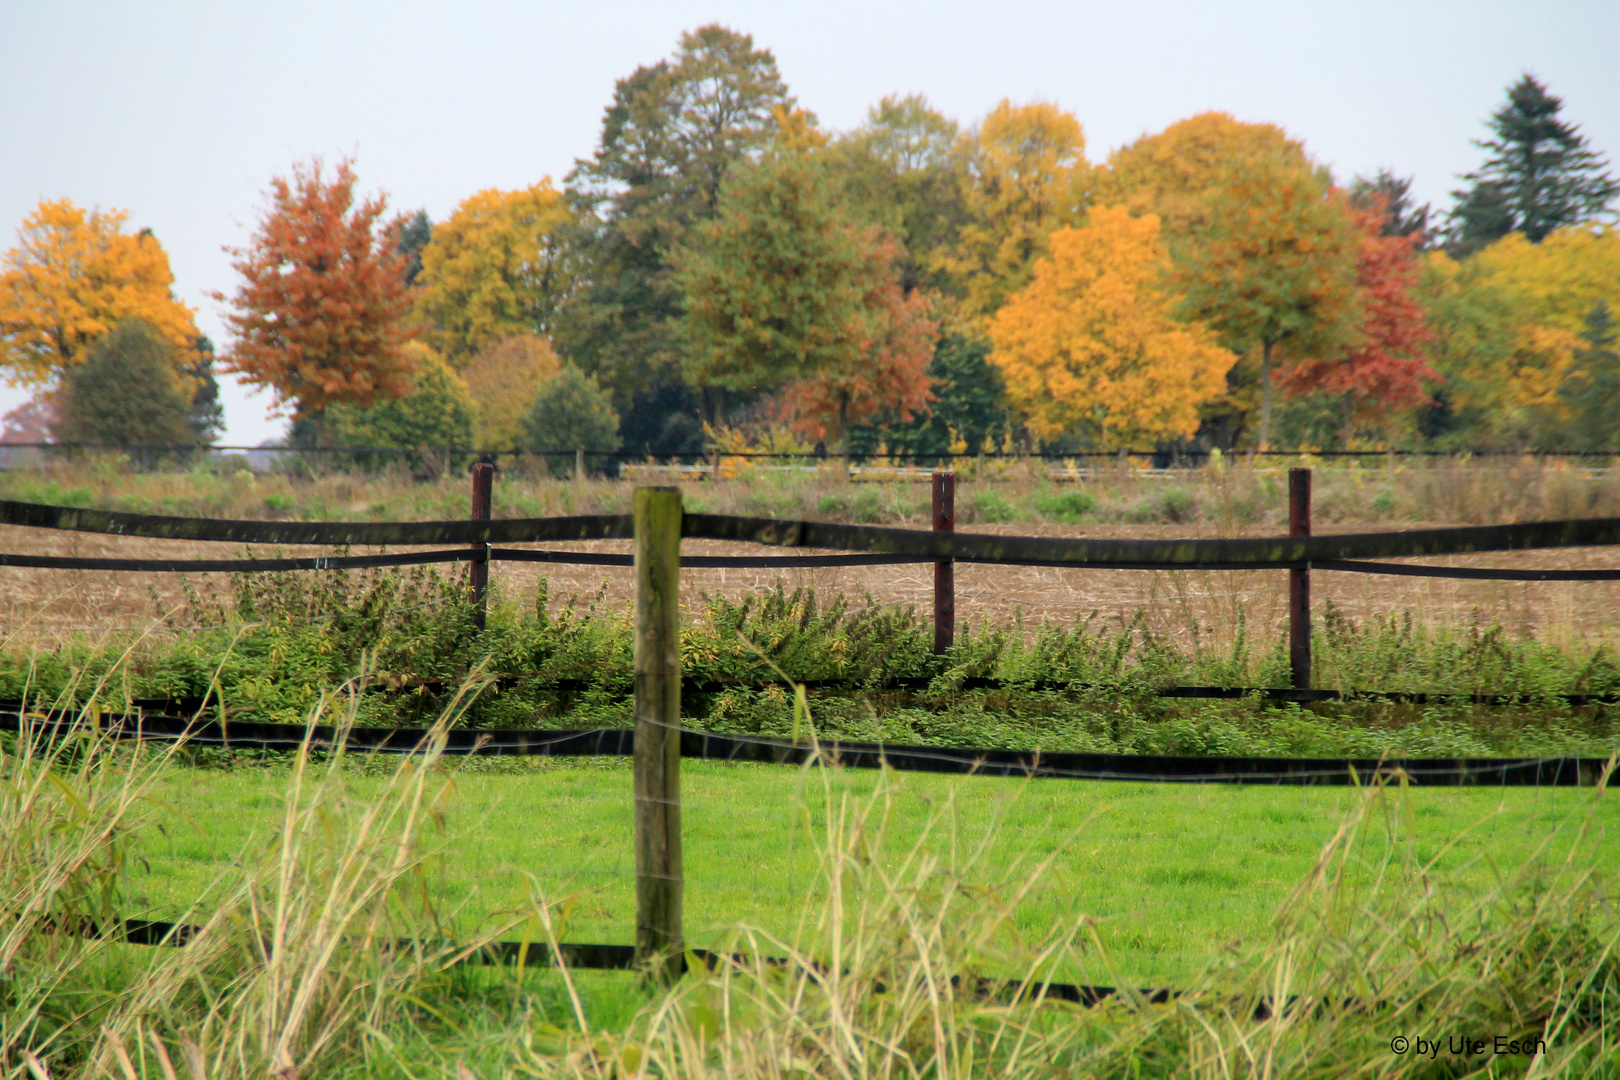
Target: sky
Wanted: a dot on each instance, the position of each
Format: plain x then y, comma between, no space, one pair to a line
180,113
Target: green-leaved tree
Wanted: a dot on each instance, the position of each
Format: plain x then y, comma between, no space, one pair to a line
128,392
670,136
571,412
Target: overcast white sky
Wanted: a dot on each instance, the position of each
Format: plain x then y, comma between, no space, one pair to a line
180,112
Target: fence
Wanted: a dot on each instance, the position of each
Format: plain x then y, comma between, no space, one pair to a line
658,741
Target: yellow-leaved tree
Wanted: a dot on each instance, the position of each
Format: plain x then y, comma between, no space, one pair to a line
1510,322
500,265
1091,346
1023,175
504,379
1556,282
72,277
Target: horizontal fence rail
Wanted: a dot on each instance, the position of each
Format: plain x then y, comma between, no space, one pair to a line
974,761
1345,551
600,957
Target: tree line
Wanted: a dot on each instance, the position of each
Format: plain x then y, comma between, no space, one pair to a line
723,271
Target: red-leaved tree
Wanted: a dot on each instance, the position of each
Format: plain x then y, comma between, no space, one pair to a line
319,317
1387,368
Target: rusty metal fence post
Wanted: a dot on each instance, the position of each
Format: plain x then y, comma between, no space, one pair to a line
1299,582
483,476
945,569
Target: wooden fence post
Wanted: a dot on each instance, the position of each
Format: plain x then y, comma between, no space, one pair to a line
579,464
483,474
945,569
659,885
1299,581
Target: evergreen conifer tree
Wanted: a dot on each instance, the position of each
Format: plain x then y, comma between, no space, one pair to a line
1541,175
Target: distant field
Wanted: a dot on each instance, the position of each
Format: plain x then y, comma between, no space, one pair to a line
1172,873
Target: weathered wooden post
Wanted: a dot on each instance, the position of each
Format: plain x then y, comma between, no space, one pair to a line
1299,581
659,886
945,569
579,464
483,475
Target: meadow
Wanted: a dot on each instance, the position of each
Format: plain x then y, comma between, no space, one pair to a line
340,897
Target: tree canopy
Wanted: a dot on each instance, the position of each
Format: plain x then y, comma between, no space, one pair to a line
502,264
1275,262
1092,345
1540,175
669,137
1023,175
434,413
318,317
73,276
784,291
128,390
504,379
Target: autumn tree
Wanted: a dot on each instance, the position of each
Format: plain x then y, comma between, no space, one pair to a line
1092,346
783,290
504,379
319,315
128,390
1557,281
1023,175
1385,369
1508,323
1173,173
1274,263
969,406
1541,175
669,138
72,277
502,264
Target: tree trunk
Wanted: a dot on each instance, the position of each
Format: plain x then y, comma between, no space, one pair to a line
1265,395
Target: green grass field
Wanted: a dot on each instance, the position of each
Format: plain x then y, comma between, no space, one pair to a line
1173,873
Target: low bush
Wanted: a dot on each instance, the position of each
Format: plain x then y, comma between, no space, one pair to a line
1069,506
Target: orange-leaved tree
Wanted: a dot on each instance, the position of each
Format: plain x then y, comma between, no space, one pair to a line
1274,262
1092,346
1023,176
72,277
319,315
1386,368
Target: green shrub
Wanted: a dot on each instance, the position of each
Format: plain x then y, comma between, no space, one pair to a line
572,411
436,414
1066,505
992,506
862,505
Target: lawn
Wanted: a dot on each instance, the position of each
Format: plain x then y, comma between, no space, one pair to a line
1171,873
